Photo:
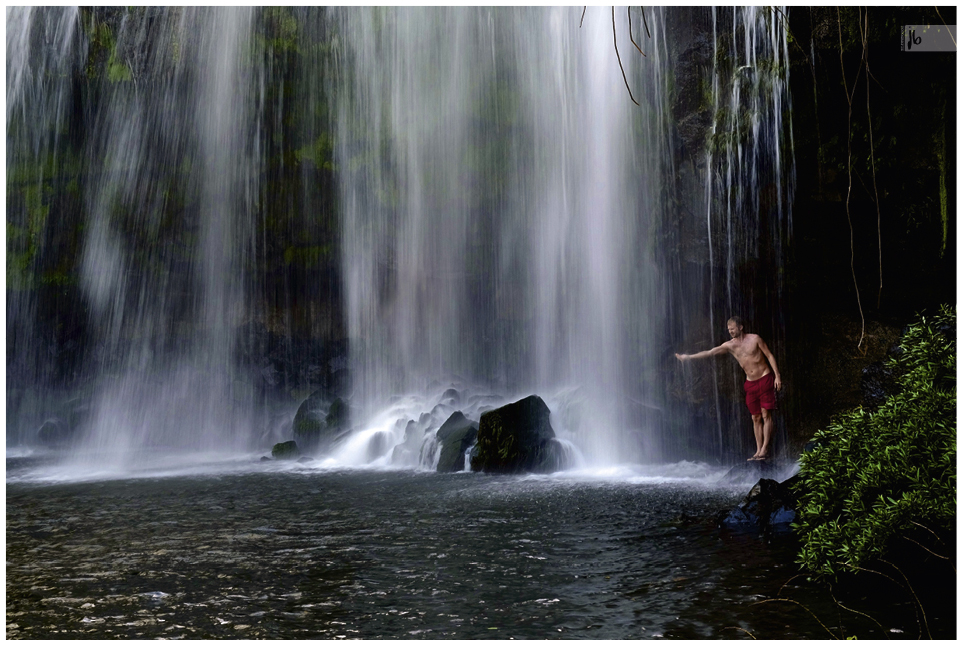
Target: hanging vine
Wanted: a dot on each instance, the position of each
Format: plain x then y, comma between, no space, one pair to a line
864,31
616,43
862,23
628,13
849,166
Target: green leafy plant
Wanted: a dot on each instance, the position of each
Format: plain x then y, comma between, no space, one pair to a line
873,476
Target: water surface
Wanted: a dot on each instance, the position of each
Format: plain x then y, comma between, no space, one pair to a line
288,551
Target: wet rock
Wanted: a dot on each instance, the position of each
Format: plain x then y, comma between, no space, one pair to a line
286,450
62,414
337,417
269,375
515,438
377,445
555,457
54,433
407,453
768,509
878,383
320,421
692,104
439,413
311,413
751,471
455,421
456,435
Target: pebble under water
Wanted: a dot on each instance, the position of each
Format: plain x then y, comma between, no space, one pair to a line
282,551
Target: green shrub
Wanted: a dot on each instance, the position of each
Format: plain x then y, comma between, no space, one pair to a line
876,475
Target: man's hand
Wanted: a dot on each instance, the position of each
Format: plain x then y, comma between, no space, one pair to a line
778,383
681,357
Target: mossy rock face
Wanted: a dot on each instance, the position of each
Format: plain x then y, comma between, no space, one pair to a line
515,438
286,451
456,435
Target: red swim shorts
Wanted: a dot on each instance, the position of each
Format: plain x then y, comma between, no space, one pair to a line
761,394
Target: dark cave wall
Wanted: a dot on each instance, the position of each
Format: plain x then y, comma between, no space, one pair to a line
907,235
857,214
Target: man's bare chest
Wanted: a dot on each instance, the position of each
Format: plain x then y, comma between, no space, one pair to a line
746,351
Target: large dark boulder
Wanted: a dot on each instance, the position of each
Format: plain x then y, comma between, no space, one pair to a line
311,413
768,509
455,421
286,451
321,421
455,436
516,438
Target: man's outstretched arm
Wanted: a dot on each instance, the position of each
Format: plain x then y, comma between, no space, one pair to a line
719,349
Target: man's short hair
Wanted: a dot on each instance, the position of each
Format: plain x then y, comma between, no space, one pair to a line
738,321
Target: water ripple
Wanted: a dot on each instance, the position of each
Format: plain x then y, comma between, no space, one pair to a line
380,556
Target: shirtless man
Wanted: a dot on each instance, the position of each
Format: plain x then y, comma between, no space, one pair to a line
751,352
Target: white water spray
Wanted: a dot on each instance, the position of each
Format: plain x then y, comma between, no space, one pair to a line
497,205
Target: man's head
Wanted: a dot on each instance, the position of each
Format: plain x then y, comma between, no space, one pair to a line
735,325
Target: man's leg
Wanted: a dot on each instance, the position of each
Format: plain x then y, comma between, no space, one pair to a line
763,438
758,431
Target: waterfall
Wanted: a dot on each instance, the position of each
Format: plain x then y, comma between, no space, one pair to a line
469,196
168,184
42,44
499,189
745,164
184,397
749,173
